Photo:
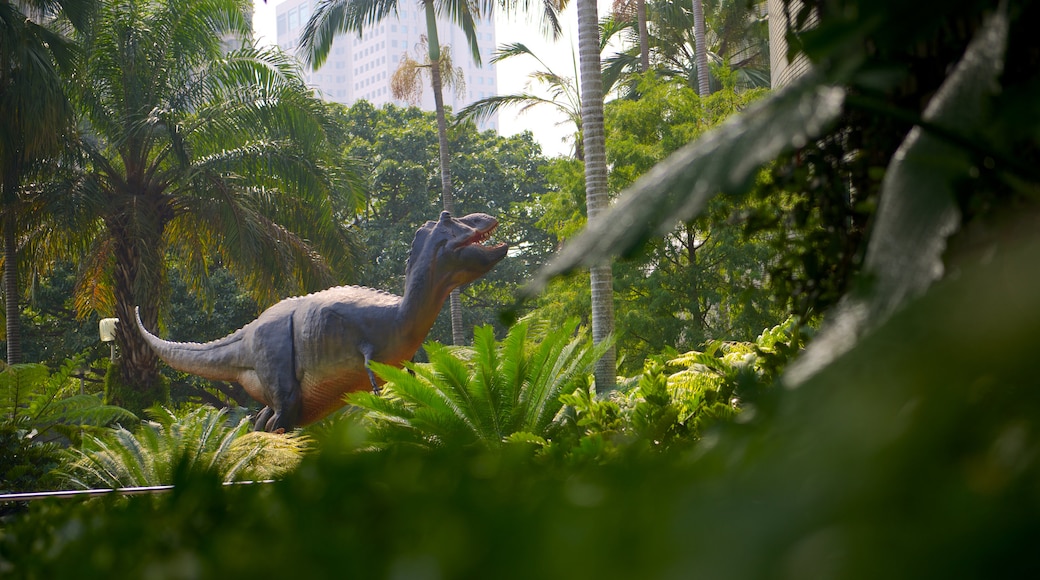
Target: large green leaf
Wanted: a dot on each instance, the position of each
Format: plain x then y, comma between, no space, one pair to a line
918,209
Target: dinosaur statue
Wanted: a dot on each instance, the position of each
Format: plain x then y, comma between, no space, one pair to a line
300,356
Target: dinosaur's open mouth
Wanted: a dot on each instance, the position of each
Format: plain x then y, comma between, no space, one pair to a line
489,254
480,237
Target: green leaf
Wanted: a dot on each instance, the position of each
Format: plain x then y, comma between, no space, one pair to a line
918,209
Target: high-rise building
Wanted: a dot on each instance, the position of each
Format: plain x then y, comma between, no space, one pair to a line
360,67
782,71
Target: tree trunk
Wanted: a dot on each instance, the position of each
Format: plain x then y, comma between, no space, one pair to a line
458,336
136,285
644,36
693,294
596,194
14,326
700,51
9,195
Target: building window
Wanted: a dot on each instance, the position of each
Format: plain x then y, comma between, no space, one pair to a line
281,25
293,19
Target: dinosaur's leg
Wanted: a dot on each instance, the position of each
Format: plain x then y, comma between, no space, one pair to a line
275,367
262,417
366,350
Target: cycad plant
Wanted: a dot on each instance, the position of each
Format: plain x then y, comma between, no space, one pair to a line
481,395
202,439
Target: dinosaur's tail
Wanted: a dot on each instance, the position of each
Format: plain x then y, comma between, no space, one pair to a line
213,360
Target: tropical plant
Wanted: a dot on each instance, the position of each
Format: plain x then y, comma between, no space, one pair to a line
200,153
484,394
53,405
676,399
203,439
912,455
36,119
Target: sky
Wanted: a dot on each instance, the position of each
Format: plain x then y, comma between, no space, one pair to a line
543,121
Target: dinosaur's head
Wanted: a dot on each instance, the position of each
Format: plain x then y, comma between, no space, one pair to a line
452,252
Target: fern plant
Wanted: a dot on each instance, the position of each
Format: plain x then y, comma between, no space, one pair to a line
482,394
203,438
50,404
716,383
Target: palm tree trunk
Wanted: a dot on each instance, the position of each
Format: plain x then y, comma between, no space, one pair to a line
644,36
693,294
596,194
139,384
10,225
458,335
701,51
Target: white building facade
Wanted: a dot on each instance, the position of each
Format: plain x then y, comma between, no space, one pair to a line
361,67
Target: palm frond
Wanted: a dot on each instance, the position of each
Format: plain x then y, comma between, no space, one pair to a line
480,394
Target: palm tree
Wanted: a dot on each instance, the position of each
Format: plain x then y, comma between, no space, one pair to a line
701,50
562,94
596,194
36,116
734,34
635,11
201,154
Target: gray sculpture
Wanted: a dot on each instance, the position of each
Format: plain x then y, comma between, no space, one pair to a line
300,356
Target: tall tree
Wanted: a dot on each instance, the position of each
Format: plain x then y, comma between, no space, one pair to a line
596,195
202,154
36,117
700,48
635,11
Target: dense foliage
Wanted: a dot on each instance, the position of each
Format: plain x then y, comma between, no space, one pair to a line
901,443
873,469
